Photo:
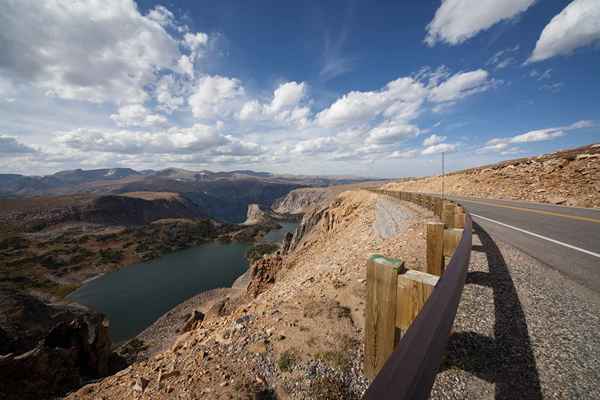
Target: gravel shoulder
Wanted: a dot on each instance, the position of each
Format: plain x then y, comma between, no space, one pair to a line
523,330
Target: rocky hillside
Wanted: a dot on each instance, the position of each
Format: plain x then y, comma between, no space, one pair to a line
296,332
570,177
133,208
300,201
139,208
47,350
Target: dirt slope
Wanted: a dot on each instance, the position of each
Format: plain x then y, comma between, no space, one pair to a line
297,332
570,177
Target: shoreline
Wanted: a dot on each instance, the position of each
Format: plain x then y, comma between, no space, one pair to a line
165,330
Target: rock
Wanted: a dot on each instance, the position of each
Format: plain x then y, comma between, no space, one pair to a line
193,322
256,216
52,348
140,384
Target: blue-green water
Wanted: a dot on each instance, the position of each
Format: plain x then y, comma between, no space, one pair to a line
278,234
135,296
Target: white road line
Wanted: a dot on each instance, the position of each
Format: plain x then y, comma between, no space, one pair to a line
591,253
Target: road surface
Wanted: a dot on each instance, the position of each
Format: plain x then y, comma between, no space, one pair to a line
564,238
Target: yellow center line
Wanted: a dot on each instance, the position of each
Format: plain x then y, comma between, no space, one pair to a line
554,214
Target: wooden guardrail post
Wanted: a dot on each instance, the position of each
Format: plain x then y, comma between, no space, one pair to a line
434,248
380,322
414,288
448,214
451,240
459,218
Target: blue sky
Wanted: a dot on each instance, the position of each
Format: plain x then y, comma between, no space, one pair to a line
338,87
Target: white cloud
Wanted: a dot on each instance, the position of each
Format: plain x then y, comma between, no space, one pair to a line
216,97
439,148
433,140
391,132
169,93
287,95
575,26
538,135
458,20
503,58
401,98
316,145
137,115
85,50
195,41
161,15
462,85
285,107
10,145
197,138
404,154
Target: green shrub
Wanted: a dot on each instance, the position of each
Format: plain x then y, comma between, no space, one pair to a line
286,361
256,252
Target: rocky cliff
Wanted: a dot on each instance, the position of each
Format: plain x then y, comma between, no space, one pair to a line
569,177
48,350
300,201
138,208
257,216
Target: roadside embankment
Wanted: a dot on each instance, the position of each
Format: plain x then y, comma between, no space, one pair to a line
297,331
570,177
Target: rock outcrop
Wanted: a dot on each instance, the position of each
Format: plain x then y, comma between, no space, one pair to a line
300,201
256,216
569,177
48,350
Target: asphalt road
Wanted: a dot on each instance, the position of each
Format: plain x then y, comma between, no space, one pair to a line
564,238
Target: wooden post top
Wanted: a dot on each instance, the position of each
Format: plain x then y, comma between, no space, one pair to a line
392,262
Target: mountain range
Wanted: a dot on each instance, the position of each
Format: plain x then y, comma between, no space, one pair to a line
221,195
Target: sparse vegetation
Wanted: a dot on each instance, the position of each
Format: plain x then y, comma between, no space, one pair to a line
286,361
256,252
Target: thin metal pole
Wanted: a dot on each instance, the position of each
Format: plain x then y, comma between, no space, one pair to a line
443,173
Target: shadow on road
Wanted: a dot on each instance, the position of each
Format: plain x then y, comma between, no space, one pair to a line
506,359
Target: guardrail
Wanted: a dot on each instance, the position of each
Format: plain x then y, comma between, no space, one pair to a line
410,313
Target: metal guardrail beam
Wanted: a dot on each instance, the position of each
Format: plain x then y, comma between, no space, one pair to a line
410,371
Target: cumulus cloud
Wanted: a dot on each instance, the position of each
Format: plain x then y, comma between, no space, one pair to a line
199,137
439,149
538,135
462,85
575,26
285,107
401,98
455,21
216,97
433,140
87,50
137,115
391,132
315,146
11,146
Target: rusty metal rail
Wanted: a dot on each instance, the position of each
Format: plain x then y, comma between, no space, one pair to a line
410,370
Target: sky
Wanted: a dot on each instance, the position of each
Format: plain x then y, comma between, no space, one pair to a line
365,88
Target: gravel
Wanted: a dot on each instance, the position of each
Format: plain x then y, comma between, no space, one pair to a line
522,331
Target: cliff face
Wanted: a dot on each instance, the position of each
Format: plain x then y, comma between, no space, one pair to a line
300,201
570,177
47,350
138,208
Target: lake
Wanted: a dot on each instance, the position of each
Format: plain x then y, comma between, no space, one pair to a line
135,296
